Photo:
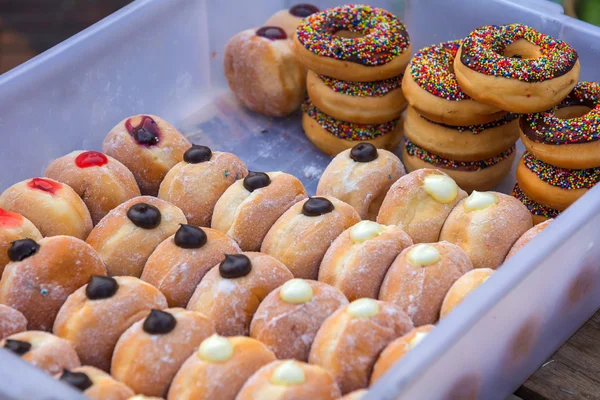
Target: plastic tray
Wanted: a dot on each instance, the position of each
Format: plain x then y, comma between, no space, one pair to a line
165,58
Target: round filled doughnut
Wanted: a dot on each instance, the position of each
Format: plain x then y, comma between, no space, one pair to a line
539,212
11,321
527,237
14,227
354,43
95,384
463,287
516,68
289,19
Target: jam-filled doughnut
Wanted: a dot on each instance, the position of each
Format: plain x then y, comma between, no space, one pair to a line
196,183
53,207
567,135
288,319
302,235
527,237
419,203
11,321
431,89
350,340
249,207
95,315
354,43
149,353
357,261
95,384
289,19
127,235
219,368
290,380
231,291
463,287
539,212
149,146
332,136
43,350
516,68
43,274
179,263
361,177
263,72
420,277
14,227
102,182
486,225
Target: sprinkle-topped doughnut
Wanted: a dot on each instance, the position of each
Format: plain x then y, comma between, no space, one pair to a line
562,177
363,89
534,207
477,129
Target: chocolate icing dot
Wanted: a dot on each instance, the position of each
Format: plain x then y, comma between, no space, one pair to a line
235,266
78,380
101,287
144,215
17,346
364,152
159,322
271,33
21,249
256,180
190,237
303,10
316,206
197,154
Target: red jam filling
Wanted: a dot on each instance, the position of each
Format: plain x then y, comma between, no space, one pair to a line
91,159
9,219
146,132
44,185
271,33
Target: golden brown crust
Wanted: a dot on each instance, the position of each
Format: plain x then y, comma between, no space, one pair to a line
104,386
572,156
285,21
527,237
11,321
463,287
17,228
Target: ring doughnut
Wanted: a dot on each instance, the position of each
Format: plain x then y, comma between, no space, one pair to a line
516,68
354,43
539,212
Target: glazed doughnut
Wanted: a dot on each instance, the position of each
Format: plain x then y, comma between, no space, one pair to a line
356,395
469,175
568,135
196,183
289,380
420,277
419,203
96,384
462,143
359,258
179,263
288,319
53,207
350,340
333,136
219,368
359,102
96,315
539,212
230,292
486,225
149,146
13,227
43,274
149,353
353,43
463,287
126,237
102,182
249,207
302,235
516,68
527,237
398,349
289,19
263,72
43,350
361,177
11,321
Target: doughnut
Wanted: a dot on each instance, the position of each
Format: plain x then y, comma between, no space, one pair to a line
288,319
359,258
14,227
181,261
142,397
469,175
53,207
355,395
398,349
527,237
463,287
126,237
359,102
332,136
353,43
263,73
43,274
486,225
419,203
567,135
420,277
462,143
96,384
102,182
149,146
361,177
431,89
11,321
150,352
249,207
219,368
231,291
196,183
289,19
350,340
539,212
302,235
516,68
96,315
42,350
289,380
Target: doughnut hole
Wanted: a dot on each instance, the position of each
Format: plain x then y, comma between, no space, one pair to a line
522,49
570,112
345,33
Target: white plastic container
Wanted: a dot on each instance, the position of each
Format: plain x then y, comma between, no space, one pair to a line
165,57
